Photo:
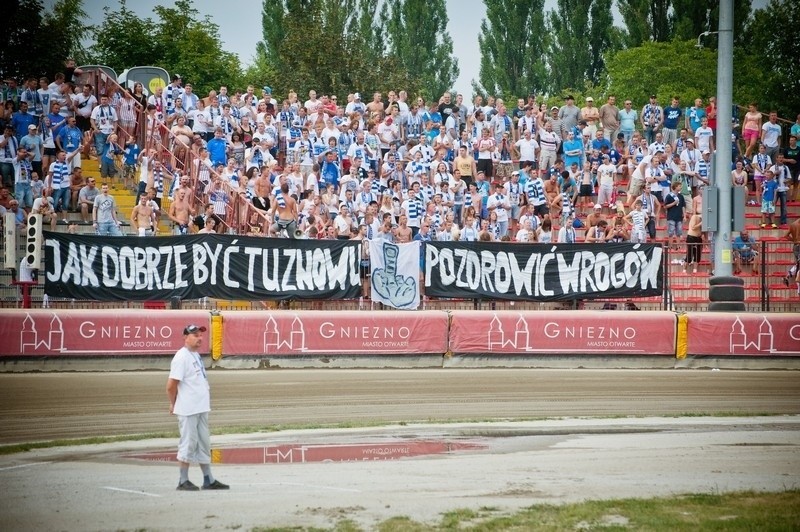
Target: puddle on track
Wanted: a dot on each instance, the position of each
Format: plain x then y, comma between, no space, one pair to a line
294,453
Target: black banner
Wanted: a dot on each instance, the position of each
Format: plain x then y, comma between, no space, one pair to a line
191,267
542,272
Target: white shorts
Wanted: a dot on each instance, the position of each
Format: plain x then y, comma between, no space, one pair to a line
195,444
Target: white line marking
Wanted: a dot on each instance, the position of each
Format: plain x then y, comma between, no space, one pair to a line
332,488
131,491
32,464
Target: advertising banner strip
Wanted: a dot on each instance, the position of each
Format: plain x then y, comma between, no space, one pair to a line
542,272
750,334
43,333
563,333
195,266
308,333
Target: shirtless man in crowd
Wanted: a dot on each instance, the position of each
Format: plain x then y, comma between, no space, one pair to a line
143,217
180,212
285,207
793,235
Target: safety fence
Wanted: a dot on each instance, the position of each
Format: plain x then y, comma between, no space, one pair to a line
132,333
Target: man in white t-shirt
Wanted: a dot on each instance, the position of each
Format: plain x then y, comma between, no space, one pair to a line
528,148
704,136
605,177
190,399
771,135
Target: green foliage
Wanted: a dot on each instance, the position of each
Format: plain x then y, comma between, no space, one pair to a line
418,39
771,42
124,40
645,20
667,69
681,69
513,43
25,53
583,35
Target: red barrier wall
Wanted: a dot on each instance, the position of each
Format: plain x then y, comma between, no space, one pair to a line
96,332
317,332
752,334
563,332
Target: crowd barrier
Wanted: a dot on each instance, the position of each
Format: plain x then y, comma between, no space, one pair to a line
297,334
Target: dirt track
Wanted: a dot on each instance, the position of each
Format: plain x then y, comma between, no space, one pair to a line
94,487
72,405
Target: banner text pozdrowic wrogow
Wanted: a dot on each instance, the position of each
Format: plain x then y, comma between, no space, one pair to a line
542,272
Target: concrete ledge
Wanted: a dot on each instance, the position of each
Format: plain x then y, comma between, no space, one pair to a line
737,362
99,363
561,361
334,361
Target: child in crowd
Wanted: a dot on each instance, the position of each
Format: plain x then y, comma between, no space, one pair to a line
768,189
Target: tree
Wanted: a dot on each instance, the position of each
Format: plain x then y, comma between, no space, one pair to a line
200,57
772,43
513,43
690,18
418,40
645,20
583,33
677,68
25,53
124,40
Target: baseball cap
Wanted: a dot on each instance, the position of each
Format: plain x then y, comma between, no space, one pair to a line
598,206
652,95
554,107
589,99
31,126
706,152
267,89
193,329
357,96
690,140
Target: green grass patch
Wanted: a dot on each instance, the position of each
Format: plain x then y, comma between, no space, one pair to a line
25,447
741,511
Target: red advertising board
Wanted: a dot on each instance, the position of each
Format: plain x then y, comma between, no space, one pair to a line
563,333
751,334
95,332
348,333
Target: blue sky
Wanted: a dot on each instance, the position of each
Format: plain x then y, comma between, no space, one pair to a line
240,27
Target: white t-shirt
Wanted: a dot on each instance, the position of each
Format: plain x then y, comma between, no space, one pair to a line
105,117
527,149
605,173
194,395
702,138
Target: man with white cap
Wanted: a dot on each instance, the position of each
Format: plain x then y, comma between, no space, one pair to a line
356,105
190,399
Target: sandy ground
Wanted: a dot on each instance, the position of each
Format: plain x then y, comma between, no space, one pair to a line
567,457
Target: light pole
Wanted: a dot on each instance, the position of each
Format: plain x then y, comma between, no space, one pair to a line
722,168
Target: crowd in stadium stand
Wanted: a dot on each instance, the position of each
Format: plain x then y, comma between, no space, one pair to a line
391,168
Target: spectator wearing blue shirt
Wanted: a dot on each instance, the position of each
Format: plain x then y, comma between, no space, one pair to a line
599,141
573,150
672,116
21,120
694,116
217,148
744,252
768,191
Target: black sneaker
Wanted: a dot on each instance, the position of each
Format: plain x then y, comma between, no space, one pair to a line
187,486
216,485
786,281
